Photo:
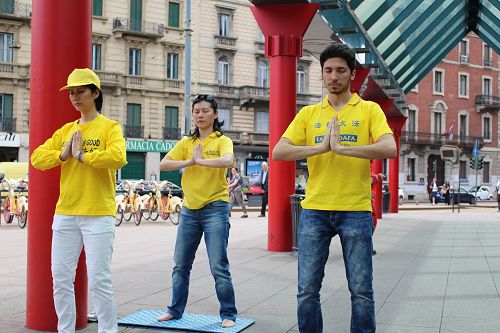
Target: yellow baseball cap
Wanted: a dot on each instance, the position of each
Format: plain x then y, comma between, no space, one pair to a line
82,77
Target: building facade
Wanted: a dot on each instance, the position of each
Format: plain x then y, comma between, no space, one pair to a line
138,51
457,104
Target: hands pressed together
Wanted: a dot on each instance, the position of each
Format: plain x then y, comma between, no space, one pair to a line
73,148
197,156
332,138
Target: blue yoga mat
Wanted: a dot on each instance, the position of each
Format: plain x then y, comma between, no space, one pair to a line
188,322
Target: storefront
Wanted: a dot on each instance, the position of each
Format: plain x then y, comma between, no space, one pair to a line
9,147
144,156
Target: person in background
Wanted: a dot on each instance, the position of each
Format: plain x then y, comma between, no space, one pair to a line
434,190
497,190
445,191
205,156
89,151
338,136
376,178
264,181
236,192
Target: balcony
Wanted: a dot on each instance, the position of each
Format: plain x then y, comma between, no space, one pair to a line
225,42
487,102
12,10
235,136
174,85
139,28
259,138
307,99
487,63
253,92
8,124
464,59
110,79
435,139
171,133
14,71
134,131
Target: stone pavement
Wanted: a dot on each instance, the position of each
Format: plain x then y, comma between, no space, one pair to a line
435,271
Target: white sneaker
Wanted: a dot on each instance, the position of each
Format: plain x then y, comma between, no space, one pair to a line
92,317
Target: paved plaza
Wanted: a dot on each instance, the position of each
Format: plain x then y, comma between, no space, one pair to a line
435,271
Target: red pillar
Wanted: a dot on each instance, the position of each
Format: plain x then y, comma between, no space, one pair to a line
283,25
61,41
396,123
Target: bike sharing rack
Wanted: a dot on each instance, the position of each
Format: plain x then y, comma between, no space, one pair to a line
450,153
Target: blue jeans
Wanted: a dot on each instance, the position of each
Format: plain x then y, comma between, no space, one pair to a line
316,230
213,221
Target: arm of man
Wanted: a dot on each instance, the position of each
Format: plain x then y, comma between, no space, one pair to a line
385,147
285,150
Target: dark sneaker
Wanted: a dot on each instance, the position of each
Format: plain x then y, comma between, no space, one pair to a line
261,215
244,216
374,252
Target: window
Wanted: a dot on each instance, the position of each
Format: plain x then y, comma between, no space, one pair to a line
173,65
135,15
462,171
7,6
263,74
173,14
301,80
437,123
7,107
487,55
464,51
97,7
486,172
171,131
223,71
487,128
463,126
438,87
463,86
6,52
487,86
133,128
224,25
262,122
96,56
411,120
134,61
224,115
410,175
171,117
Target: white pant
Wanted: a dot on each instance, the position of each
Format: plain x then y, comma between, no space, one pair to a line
69,235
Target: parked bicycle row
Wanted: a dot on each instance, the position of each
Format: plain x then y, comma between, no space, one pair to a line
136,202
15,202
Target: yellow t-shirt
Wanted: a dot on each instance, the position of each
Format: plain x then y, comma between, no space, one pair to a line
86,188
338,182
202,185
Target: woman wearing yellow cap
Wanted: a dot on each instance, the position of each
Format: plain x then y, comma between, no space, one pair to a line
89,151
205,156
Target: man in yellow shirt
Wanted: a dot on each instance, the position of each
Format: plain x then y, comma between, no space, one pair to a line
339,137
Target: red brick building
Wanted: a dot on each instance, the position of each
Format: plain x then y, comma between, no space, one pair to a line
456,103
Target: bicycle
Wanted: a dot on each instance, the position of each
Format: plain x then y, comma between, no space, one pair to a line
15,204
129,205
167,207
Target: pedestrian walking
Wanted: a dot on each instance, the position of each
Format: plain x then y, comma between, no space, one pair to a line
264,181
236,192
339,137
89,151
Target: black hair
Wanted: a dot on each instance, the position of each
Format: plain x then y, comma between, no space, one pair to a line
339,50
217,127
99,99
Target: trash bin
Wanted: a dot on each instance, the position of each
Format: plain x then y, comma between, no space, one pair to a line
386,198
295,200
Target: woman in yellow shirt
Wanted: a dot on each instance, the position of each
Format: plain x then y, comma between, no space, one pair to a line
89,150
205,156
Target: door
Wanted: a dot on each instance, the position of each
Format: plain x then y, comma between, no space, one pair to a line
136,166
